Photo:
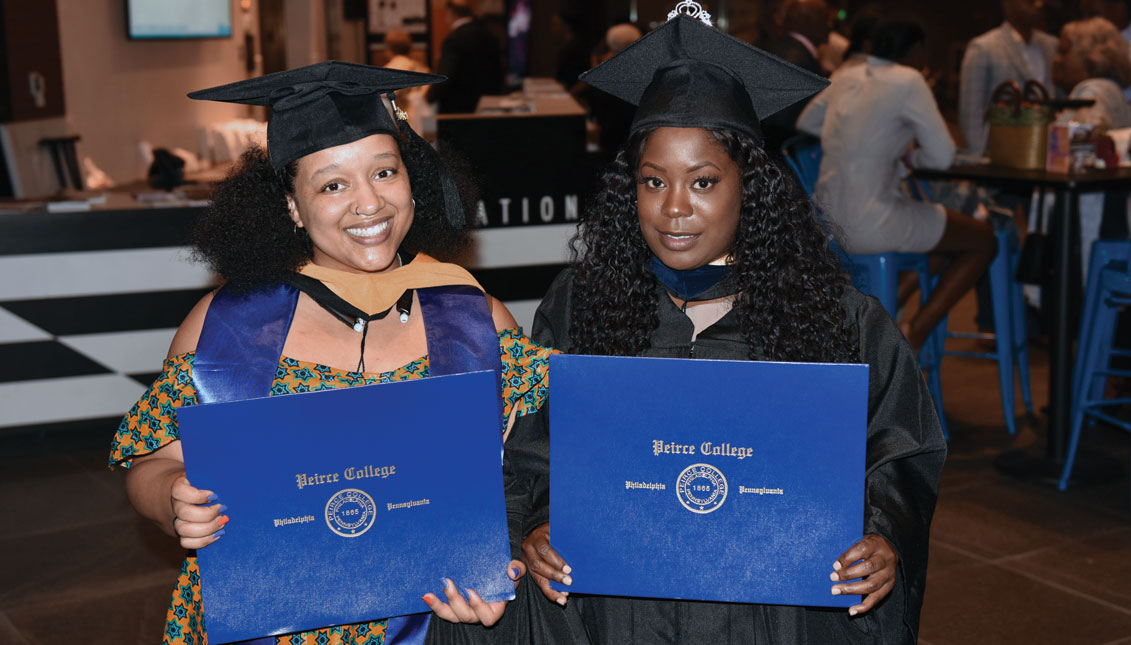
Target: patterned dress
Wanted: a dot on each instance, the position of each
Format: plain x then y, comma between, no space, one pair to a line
152,423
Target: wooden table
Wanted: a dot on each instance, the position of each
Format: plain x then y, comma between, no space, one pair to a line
1064,283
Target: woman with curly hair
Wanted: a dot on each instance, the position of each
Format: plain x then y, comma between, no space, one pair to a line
1091,63
328,232
699,245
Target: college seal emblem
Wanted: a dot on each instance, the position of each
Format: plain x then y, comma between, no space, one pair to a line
701,488
350,512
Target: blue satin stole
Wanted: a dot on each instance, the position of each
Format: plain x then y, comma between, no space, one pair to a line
242,340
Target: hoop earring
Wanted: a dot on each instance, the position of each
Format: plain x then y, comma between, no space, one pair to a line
414,202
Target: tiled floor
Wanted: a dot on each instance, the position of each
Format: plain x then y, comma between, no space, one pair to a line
1011,561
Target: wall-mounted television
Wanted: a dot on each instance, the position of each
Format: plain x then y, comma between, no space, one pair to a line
152,19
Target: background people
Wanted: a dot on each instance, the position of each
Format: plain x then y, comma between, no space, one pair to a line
471,59
1091,63
805,27
871,115
1015,51
612,115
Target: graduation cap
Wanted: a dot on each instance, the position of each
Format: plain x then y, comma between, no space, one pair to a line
688,74
320,106
331,104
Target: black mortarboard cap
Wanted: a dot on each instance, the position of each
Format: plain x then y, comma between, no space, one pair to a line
688,74
320,106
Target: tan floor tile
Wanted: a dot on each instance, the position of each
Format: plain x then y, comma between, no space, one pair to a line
944,559
1002,518
60,493
112,618
82,563
987,604
1099,566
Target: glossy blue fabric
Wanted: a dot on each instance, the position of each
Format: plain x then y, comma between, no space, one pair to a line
685,285
242,340
460,332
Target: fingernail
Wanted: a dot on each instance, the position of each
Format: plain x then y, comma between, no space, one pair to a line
212,497
852,612
561,601
836,566
567,569
223,509
224,519
427,600
469,593
514,573
836,591
218,533
567,580
444,583
834,577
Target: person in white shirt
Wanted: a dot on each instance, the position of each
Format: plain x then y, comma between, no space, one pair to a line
867,119
1015,51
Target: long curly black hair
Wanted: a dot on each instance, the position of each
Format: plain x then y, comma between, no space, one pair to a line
246,234
790,283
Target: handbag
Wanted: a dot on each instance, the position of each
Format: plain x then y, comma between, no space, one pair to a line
1033,261
1019,118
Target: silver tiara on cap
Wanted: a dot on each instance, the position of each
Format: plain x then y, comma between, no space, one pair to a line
691,9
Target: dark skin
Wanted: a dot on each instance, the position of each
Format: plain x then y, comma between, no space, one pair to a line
1024,15
688,184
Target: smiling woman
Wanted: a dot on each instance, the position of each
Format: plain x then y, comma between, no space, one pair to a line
355,202
329,231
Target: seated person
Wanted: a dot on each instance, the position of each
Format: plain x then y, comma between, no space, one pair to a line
867,122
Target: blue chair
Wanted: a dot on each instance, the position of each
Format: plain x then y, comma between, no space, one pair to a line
1011,329
803,154
876,274
1108,291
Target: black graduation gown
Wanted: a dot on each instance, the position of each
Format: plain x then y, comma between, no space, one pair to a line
905,454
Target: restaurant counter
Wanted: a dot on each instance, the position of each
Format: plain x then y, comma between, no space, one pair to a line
90,300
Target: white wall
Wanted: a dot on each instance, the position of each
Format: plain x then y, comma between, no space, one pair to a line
306,32
120,91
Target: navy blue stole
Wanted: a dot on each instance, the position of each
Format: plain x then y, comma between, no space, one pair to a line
242,339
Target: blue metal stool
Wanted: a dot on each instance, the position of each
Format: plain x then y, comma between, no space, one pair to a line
803,154
1108,291
878,275
1011,329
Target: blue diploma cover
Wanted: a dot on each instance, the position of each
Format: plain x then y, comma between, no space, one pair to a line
733,481
348,505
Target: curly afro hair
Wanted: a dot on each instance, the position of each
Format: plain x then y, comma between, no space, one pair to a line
246,234
790,283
